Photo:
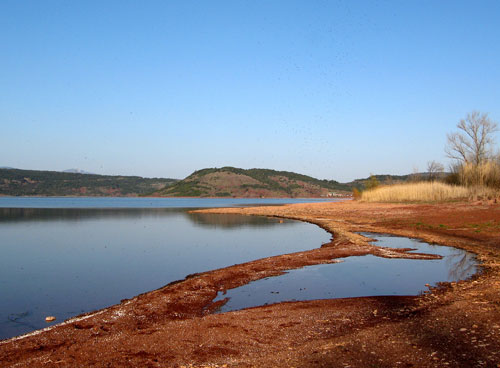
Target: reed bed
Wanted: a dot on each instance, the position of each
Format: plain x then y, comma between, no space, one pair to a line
485,174
426,192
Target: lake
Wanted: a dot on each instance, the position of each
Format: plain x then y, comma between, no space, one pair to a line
67,256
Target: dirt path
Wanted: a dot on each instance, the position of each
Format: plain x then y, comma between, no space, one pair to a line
455,326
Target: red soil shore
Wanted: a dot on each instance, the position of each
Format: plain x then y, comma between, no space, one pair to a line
457,325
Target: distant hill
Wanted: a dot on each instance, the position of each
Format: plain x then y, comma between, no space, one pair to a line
214,182
252,183
77,171
17,182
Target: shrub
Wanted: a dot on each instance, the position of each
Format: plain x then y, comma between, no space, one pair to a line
371,183
356,194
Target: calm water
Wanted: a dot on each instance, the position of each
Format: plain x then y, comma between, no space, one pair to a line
66,256
358,276
114,202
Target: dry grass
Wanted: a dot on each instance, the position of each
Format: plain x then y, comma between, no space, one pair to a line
485,174
426,192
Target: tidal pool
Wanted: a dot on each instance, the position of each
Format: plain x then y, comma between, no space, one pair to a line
357,276
85,254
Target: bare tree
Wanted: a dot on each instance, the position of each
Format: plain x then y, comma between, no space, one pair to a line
433,169
415,175
474,141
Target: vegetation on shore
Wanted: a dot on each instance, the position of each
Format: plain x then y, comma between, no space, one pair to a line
475,172
426,192
15,182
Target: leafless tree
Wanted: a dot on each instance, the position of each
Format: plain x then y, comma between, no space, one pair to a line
415,175
433,169
474,141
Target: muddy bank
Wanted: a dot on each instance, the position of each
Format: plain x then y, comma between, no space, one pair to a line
457,325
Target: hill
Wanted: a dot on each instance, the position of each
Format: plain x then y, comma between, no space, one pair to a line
213,182
77,171
252,183
17,182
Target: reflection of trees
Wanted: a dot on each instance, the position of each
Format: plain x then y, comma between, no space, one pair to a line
82,214
77,214
231,220
461,265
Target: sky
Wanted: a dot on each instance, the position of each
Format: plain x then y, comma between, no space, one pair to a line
332,89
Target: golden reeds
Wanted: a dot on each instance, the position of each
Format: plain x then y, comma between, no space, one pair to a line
426,192
485,174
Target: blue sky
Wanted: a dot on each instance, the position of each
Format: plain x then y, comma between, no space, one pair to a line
332,89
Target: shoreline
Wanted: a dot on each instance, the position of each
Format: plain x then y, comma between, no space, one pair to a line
364,248
187,303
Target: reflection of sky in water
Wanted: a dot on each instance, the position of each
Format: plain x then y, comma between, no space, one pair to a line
358,276
64,262
459,263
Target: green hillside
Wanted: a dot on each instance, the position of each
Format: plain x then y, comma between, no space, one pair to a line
235,182
15,182
212,182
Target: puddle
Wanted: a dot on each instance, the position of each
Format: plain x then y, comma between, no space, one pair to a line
358,276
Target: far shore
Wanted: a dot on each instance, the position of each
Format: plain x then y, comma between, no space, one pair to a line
456,324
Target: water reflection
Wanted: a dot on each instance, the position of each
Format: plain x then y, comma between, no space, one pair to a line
64,262
233,221
146,202
358,276
459,263
83,214
79,214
